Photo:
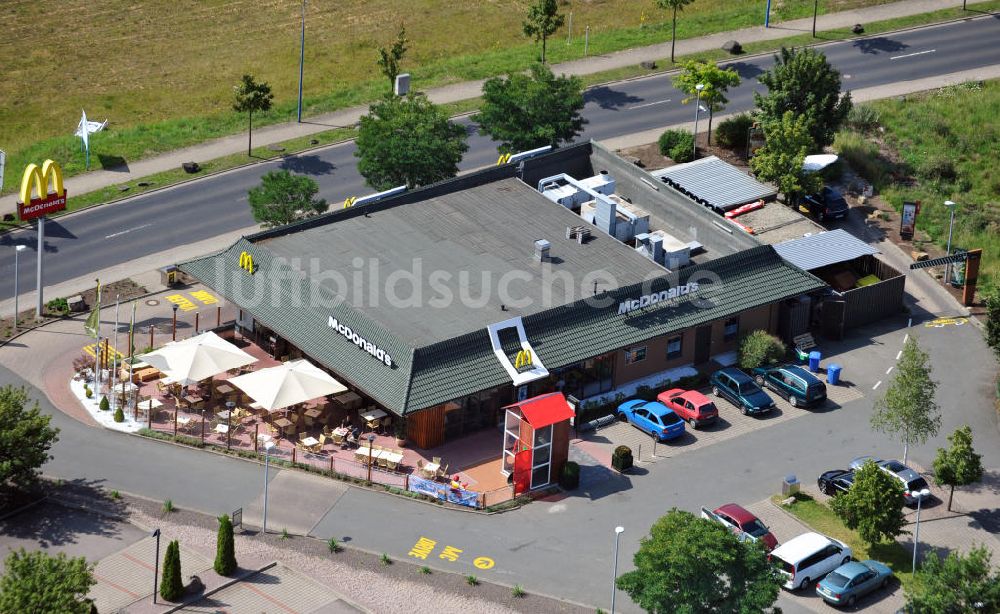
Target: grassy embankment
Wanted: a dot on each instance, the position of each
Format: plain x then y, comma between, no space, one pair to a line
937,146
820,518
163,72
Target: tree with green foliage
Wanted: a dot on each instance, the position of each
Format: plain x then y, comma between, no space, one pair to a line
25,440
715,81
780,160
958,465
673,5
958,584
250,97
171,585
525,111
873,505
225,548
907,408
389,59
408,141
42,582
542,21
759,348
992,301
282,198
803,82
688,564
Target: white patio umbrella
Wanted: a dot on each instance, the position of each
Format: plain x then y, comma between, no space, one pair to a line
292,382
197,358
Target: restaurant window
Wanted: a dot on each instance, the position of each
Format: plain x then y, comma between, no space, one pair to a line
634,355
586,378
674,346
732,329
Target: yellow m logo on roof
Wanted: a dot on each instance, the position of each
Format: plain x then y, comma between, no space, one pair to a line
246,262
523,359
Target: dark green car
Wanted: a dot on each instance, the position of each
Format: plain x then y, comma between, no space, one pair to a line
800,387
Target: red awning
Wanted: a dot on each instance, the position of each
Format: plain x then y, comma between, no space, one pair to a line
545,409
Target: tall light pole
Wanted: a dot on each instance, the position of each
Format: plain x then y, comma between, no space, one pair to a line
951,227
916,531
767,15
815,10
302,57
174,334
156,563
17,250
697,107
267,458
614,574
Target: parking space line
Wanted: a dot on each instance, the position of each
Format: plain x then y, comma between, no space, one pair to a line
889,370
877,384
898,354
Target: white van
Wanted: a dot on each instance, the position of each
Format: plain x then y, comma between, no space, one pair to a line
809,557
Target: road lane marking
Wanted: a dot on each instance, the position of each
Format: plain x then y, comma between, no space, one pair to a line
877,384
648,104
898,354
118,234
906,337
889,370
942,322
910,55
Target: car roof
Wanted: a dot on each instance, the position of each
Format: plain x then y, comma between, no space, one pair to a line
851,569
835,473
800,373
657,408
695,397
736,374
737,512
798,548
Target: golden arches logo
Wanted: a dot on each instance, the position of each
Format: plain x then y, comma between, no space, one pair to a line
523,359
246,262
38,179
503,159
349,201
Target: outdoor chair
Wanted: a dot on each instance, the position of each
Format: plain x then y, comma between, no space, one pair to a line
385,424
442,472
436,460
382,462
338,440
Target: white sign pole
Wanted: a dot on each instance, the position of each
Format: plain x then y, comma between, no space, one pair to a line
38,273
3,162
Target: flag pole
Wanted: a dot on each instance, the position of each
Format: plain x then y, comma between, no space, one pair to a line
114,360
131,359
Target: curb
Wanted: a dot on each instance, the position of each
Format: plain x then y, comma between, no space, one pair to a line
231,581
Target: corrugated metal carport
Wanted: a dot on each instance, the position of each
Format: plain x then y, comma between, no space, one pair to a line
715,183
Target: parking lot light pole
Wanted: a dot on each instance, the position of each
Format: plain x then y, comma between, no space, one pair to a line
302,58
156,562
371,441
916,531
17,250
614,573
175,323
697,107
951,227
267,458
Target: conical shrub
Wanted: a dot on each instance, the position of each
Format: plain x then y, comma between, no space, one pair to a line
171,586
225,552
105,404
119,415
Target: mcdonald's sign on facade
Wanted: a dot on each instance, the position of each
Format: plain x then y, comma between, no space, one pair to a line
246,262
38,180
523,359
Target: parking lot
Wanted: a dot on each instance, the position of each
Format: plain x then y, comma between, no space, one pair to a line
731,423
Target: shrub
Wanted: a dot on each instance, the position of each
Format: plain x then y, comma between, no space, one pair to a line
114,494
88,392
285,534
862,155
863,118
105,405
472,580
569,477
82,362
119,415
57,306
225,551
734,132
168,506
678,145
938,168
622,458
425,570
333,545
385,559
669,139
517,591
171,586
760,348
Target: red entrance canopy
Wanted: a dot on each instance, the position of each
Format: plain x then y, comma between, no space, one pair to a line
545,409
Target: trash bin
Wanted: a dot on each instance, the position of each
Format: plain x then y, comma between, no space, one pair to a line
170,276
833,374
789,486
814,357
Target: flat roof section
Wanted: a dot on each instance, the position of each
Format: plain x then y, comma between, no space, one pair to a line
823,249
716,183
474,243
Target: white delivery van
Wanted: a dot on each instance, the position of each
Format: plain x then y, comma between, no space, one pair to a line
807,558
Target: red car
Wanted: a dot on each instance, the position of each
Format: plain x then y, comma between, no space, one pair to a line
745,525
690,405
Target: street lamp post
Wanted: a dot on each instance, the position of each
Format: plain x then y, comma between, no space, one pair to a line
267,458
17,250
614,574
229,423
175,323
156,563
916,531
371,440
815,10
951,227
302,57
697,107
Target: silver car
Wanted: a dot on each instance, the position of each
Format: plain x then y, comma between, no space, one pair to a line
910,480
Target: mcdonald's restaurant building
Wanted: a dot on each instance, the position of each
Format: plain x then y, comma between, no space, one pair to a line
447,303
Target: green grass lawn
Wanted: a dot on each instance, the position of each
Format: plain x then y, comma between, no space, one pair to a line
942,145
163,72
821,519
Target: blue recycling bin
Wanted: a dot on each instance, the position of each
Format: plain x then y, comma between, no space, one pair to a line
833,374
814,357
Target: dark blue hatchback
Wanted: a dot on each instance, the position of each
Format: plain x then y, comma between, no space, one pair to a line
739,388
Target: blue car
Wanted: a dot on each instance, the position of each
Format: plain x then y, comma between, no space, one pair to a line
652,417
739,388
851,581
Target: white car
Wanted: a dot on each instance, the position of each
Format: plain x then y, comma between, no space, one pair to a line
808,557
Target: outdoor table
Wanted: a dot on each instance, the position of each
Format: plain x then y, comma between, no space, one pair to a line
313,413
222,429
393,458
125,387
264,437
341,431
183,420
282,422
224,414
372,414
145,374
224,389
363,454
431,469
310,442
150,403
193,398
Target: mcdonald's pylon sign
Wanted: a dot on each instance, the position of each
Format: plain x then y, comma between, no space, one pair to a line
39,180
523,359
246,262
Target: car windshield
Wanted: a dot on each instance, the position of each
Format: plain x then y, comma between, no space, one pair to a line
895,466
837,580
917,485
669,419
755,527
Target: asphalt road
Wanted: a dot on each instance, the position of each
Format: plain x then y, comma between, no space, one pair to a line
109,235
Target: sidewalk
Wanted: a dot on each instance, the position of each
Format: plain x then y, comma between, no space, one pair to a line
276,133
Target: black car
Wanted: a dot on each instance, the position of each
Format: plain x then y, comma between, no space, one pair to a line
834,482
829,204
